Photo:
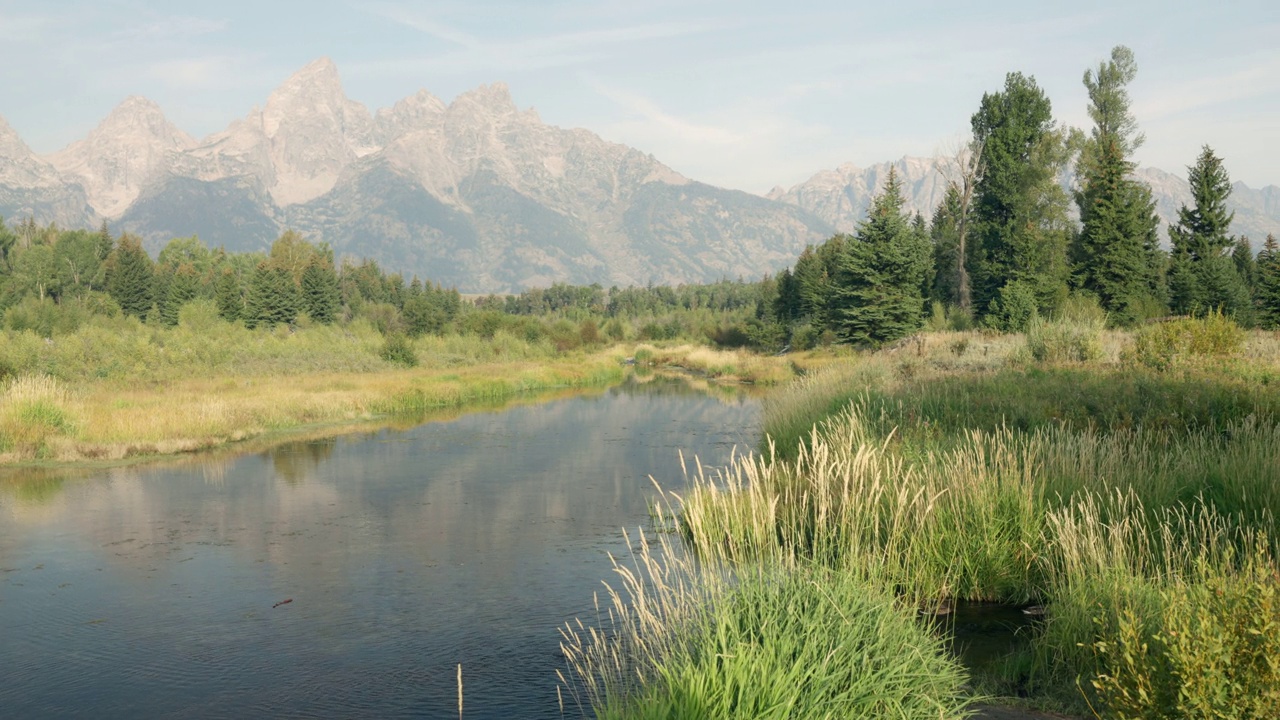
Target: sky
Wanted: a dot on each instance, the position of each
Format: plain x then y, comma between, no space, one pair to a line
736,93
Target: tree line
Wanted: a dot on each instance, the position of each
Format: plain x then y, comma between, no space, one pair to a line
1002,249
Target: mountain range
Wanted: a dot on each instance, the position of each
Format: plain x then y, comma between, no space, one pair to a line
475,193
841,196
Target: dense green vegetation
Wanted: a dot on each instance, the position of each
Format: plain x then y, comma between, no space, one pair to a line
1130,494
1120,482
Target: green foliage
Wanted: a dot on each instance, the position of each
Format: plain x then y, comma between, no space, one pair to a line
398,350
129,277
1015,308
877,293
1020,222
1214,651
181,288
1073,335
1168,344
228,295
1203,276
945,234
273,298
1268,292
802,644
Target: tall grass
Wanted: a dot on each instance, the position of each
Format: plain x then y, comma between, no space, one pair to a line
696,639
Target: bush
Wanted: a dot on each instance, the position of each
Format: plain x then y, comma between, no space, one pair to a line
398,350
1216,655
1014,310
1167,344
1065,340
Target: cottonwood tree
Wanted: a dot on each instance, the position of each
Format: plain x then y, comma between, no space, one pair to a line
951,224
1020,224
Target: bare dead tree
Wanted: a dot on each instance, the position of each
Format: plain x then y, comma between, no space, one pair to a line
961,167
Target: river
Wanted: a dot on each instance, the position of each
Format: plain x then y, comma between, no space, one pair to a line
149,591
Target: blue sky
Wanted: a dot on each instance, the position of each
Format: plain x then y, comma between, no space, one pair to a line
738,93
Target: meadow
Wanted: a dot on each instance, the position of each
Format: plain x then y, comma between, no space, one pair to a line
1119,486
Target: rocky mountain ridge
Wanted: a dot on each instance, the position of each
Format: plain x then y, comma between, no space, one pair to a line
475,193
841,196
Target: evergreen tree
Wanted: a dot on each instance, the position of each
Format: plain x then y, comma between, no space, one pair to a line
947,261
272,299
1117,253
129,276
183,285
882,270
1203,276
1267,296
1246,265
1020,223
227,295
7,242
320,294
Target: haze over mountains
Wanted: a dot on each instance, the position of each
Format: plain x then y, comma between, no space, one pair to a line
840,196
475,193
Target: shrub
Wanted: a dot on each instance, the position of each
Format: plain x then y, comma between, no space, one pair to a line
1217,653
1065,340
1015,308
398,350
1166,344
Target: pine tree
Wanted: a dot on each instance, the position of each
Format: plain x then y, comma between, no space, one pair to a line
1021,229
184,283
129,276
320,295
1203,276
1117,254
273,298
947,262
882,270
1246,265
227,295
1267,296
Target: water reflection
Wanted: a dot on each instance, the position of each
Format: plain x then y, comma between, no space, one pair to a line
405,552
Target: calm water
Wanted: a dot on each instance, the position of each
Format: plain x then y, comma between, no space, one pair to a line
149,592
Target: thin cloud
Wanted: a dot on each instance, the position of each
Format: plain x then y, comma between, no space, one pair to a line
1259,80
651,113
521,53
178,27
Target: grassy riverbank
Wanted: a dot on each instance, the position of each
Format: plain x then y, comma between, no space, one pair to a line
1129,489
130,391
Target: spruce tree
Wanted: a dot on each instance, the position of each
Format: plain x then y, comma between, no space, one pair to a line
1203,277
272,299
320,295
129,276
947,262
1267,295
1117,255
1021,228
183,286
882,270
227,295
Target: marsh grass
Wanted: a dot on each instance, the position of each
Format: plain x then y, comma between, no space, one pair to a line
106,420
685,638
1105,491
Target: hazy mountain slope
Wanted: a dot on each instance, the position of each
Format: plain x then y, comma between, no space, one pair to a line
31,187
841,196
